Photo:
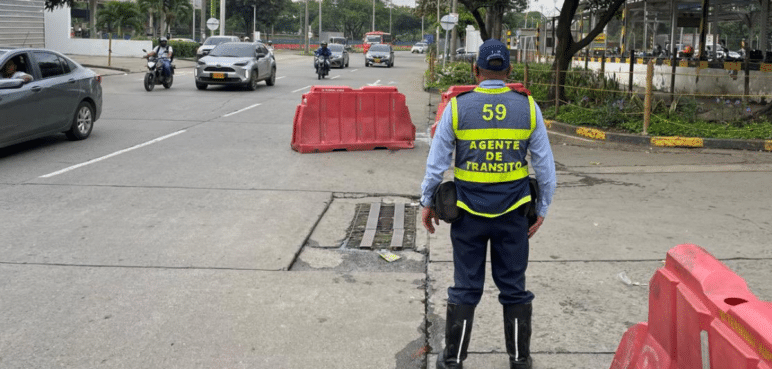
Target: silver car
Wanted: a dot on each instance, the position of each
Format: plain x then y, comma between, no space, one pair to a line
62,96
236,63
339,56
211,42
380,54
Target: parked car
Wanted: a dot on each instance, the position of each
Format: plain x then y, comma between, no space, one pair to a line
63,96
339,56
236,63
419,47
380,54
211,42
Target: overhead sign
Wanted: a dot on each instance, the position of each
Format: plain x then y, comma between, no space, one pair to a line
212,24
449,21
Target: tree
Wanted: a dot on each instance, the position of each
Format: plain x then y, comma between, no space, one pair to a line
265,15
117,14
494,10
566,46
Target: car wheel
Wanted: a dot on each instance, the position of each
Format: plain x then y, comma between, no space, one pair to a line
201,86
272,79
82,123
149,82
346,63
168,82
252,85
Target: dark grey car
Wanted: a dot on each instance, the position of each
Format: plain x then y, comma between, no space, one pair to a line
339,56
63,96
236,63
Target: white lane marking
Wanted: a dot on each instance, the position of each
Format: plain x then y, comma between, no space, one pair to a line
280,77
352,71
335,77
239,111
92,161
301,89
374,84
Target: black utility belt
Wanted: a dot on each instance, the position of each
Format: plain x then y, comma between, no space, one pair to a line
445,199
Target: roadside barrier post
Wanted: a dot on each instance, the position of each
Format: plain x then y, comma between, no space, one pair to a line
632,66
603,68
586,58
747,76
647,102
525,75
673,63
557,89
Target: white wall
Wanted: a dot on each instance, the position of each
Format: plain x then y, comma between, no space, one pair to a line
57,25
715,82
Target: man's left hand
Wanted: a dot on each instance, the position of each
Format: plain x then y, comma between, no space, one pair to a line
535,227
427,215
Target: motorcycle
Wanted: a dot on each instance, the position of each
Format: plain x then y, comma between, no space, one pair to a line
325,66
155,73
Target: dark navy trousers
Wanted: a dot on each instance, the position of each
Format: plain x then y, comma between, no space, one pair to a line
508,237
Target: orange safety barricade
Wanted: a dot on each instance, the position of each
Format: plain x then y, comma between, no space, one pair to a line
332,118
701,315
454,91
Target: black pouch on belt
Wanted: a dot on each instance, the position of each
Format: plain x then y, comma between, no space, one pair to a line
530,212
444,200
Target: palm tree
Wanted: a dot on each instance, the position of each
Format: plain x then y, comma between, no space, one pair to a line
117,14
178,9
152,8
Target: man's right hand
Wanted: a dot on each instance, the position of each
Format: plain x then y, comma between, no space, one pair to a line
427,215
535,227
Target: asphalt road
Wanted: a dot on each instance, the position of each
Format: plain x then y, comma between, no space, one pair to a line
185,233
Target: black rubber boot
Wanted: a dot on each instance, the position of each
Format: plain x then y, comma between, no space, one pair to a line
458,329
517,332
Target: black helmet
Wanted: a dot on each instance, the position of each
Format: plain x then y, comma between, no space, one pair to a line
162,41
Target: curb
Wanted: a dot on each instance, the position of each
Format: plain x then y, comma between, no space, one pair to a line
660,141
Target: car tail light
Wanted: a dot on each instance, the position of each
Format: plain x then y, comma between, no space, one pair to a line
99,78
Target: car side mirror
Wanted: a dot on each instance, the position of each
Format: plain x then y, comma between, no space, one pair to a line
11,83
259,55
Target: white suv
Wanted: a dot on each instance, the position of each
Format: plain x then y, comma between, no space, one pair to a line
211,42
420,47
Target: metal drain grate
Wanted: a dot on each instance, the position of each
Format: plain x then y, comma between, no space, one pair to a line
383,226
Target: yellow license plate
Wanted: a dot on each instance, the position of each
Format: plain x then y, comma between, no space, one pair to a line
218,75
377,60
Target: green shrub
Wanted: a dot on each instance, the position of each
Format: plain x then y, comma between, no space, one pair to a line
182,49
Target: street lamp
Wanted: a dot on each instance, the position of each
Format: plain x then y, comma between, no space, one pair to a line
373,29
390,6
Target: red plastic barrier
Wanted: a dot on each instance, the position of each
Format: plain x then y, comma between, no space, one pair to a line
333,118
454,91
699,310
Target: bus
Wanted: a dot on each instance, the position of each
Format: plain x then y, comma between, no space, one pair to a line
376,37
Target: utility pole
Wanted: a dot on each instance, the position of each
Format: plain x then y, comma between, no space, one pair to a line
373,28
222,17
320,20
305,28
453,34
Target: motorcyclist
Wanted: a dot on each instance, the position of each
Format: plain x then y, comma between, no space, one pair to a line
165,55
323,51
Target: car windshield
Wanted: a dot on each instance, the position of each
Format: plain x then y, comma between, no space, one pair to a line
420,44
373,39
216,40
233,49
335,48
379,47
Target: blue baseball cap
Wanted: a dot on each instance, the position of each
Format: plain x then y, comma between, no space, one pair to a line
491,50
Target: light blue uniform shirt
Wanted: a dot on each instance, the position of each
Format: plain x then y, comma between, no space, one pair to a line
444,143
